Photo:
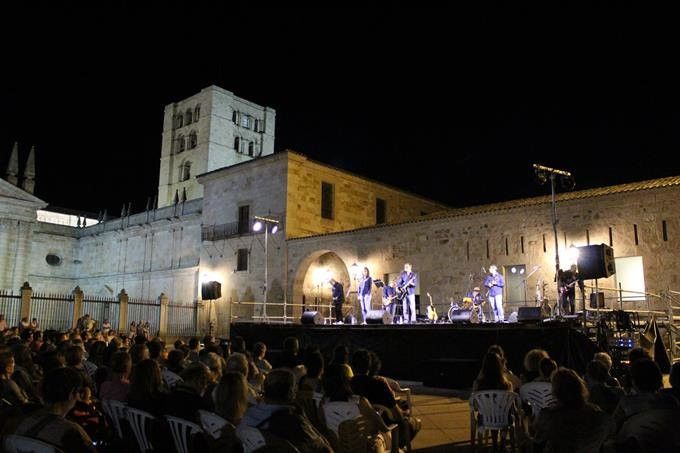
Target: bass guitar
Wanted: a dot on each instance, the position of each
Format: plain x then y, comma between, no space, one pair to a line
402,291
431,311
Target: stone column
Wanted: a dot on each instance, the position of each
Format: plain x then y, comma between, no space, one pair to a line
122,311
163,323
77,306
26,294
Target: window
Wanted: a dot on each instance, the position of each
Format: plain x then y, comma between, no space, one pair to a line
251,148
180,143
242,260
179,121
327,200
197,112
245,121
234,117
380,211
193,140
256,127
52,259
243,219
186,171
187,117
237,144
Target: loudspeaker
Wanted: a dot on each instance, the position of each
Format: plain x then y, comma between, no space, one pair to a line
529,314
460,316
595,261
596,300
311,317
211,290
378,317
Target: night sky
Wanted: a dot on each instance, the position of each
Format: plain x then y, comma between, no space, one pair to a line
452,105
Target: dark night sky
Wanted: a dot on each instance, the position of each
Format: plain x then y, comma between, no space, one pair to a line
453,105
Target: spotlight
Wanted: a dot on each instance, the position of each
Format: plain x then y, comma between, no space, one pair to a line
275,229
521,271
257,226
513,270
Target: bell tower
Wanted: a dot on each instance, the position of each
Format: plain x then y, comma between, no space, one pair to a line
207,131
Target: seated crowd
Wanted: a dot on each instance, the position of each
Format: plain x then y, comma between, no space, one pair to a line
560,411
59,387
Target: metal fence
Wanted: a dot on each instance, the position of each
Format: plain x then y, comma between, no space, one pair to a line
101,309
10,307
181,320
145,311
53,311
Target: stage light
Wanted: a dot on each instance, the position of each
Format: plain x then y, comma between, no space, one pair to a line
513,270
275,228
521,271
257,226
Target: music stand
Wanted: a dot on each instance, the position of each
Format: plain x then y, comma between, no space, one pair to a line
378,283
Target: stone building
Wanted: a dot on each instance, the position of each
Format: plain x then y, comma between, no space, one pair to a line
329,220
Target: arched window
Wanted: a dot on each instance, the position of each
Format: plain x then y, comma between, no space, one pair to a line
234,117
180,143
197,112
251,149
179,121
193,140
237,144
185,172
187,117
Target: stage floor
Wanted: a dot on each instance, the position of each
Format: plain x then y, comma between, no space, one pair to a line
444,355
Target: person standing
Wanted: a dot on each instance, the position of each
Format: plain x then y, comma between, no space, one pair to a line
338,295
407,287
495,283
364,293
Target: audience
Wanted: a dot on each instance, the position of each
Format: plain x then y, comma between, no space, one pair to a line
532,365
118,387
145,388
492,375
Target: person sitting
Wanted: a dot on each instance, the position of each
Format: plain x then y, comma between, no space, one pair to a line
230,399
9,390
532,364
606,360
118,386
61,387
674,380
175,363
601,394
341,357
145,388
277,415
259,352
572,424
186,398
546,368
513,378
492,375
314,365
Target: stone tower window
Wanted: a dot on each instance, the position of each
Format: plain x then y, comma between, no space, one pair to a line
180,143
251,149
193,140
237,144
245,121
197,112
185,171
187,117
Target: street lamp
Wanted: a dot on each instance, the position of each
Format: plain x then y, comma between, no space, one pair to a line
264,223
543,173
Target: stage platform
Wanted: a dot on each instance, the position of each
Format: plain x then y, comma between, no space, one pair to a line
439,355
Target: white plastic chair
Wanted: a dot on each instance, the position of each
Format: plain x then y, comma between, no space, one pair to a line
171,379
538,395
494,411
182,430
116,410
21,444
402,393
139,421
212,423
336,412
251,438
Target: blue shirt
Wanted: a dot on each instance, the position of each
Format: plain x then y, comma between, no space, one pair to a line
495,284
364,288
388,291
411,279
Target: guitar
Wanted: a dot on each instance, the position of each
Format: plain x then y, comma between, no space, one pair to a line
388,300
431,311
402,291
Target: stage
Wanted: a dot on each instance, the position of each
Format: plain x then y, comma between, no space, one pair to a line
443,355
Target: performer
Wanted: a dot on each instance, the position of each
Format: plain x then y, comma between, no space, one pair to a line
407,283
568,281
389,294
364,293
338,294
495,283
477,303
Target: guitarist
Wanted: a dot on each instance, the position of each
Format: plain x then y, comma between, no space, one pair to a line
364,287
389,294
406,287
568,281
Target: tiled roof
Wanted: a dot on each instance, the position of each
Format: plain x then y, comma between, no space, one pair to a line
671,181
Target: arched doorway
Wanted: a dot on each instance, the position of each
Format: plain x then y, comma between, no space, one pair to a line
310,286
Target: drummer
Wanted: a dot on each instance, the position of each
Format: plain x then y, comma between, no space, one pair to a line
477,299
